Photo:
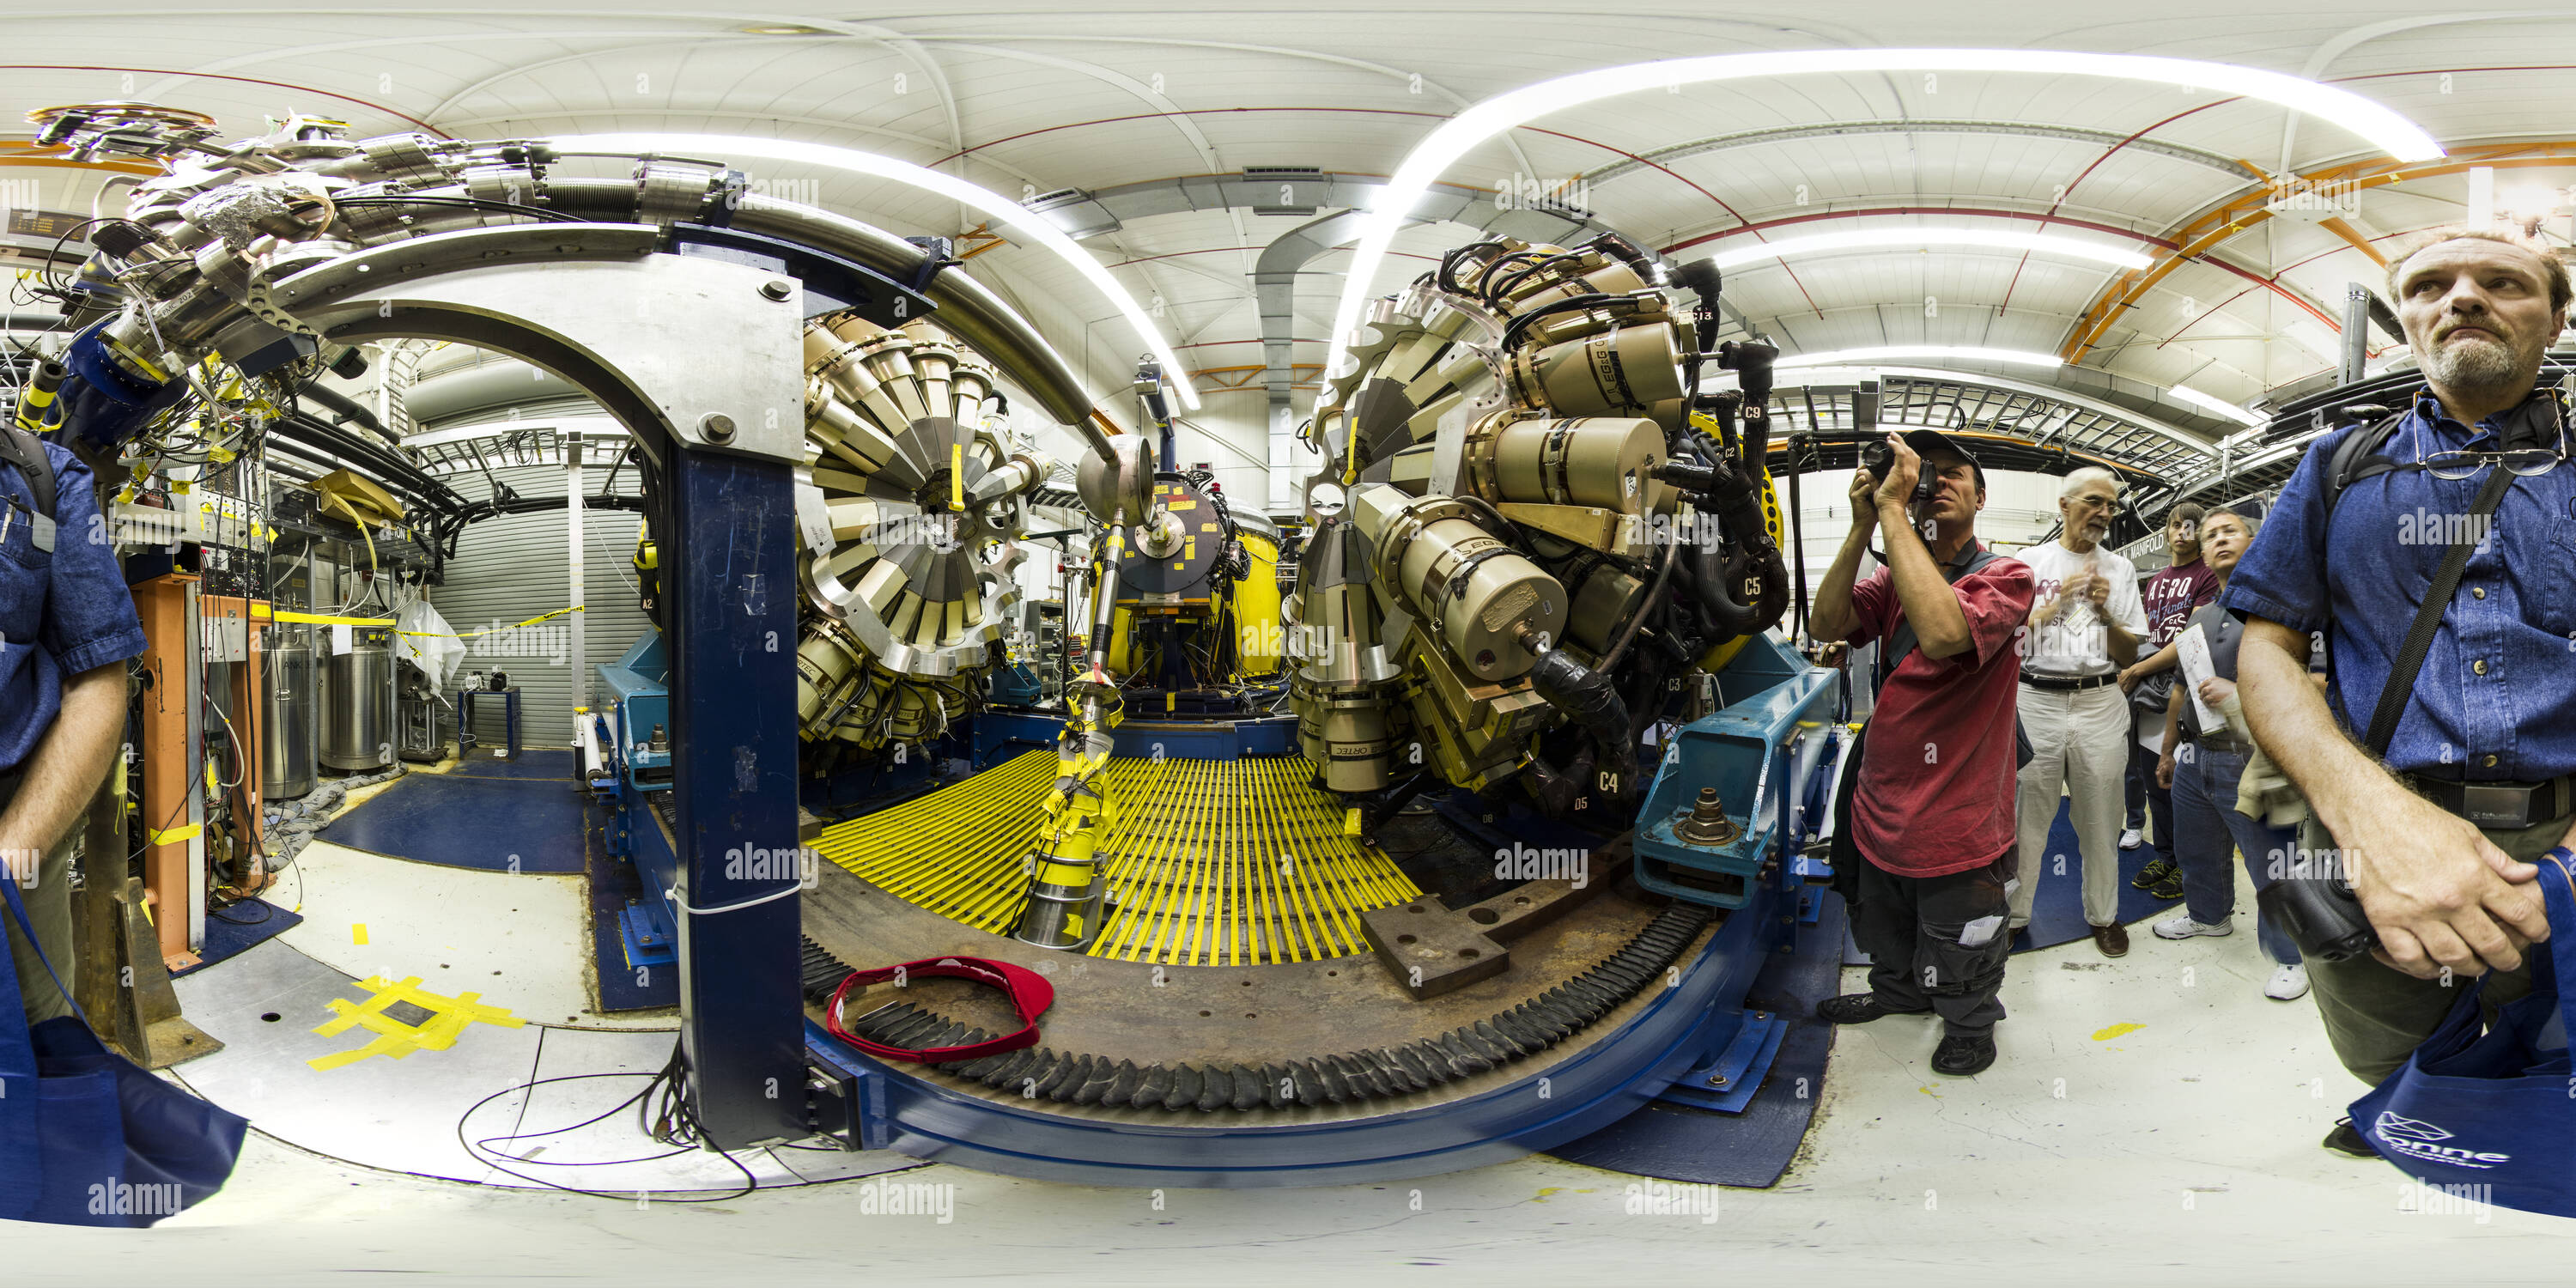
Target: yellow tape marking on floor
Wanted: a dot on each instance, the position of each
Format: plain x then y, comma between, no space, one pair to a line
395,1039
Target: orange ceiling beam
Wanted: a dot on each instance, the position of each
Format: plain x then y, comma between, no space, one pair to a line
2247,210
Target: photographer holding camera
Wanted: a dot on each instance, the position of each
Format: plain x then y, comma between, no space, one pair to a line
1932,798
2471,712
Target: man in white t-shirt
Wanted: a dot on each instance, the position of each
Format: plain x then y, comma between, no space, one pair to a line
2085,622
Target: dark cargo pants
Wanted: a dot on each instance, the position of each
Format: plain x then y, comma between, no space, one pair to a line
1939,943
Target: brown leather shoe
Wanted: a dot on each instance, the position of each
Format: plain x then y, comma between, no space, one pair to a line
2112,939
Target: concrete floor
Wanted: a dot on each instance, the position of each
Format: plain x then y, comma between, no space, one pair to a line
2152,1120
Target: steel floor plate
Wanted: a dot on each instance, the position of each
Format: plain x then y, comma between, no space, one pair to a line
403,1115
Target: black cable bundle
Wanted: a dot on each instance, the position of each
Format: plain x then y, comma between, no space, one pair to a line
662,1111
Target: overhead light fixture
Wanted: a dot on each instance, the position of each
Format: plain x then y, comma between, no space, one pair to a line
2386,130
1923,238
1031,226
2216,406
1906,352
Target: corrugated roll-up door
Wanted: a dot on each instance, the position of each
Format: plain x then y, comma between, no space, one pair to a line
512,568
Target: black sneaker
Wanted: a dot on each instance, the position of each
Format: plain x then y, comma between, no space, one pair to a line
2347,1139
2153,874
1855,1008
1959,1057
2168,889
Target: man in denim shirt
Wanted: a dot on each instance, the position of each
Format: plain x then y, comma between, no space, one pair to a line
67,627
2495,703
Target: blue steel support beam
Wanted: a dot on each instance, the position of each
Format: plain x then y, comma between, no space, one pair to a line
729,548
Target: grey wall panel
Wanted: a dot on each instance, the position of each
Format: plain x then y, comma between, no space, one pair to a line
512,568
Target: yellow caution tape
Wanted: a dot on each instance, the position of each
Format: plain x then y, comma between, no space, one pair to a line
174,835
325,619
395,1039
956,476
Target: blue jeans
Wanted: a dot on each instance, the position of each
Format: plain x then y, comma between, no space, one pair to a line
2206,827
2146,798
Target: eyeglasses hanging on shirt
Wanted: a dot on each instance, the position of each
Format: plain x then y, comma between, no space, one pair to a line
2525,461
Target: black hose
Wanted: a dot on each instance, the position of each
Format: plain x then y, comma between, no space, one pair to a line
1663,573
1728,491
1496,288
347,408
1447,273
1522,322
1487,280
1798,536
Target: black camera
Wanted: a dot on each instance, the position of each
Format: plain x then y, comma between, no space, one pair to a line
2320,913
1878,459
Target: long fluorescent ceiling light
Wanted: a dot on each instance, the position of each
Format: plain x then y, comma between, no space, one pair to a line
2384,129
2216,406
1922,238
1901,352
1028,224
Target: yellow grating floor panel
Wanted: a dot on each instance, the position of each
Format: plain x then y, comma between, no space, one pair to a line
1213,863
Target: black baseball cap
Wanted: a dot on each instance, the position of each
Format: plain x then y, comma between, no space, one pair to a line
1929,443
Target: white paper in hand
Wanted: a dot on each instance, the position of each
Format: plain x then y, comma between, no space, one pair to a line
2191,648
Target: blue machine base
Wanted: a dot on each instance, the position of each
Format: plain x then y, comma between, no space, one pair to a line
1609,1081
489,824
1748,1135
1726,1084
625,985
632,975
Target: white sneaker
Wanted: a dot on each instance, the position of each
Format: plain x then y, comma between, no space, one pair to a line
2132,839
2183,927
2288,983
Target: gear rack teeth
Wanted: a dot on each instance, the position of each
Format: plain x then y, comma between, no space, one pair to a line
1534,1025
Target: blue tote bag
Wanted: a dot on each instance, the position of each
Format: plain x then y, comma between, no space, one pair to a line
86,1137
2495,1107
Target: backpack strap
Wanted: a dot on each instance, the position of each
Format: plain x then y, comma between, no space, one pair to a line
2400,687
27,452
2356,458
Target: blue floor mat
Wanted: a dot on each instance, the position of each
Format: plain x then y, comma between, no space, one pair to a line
2057,916
541,762
1750,1149
227,937
485,823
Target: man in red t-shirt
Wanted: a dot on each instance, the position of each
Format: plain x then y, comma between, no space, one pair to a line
1933,799
2171,596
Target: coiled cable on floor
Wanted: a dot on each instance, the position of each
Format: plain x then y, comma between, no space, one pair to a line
662,1112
